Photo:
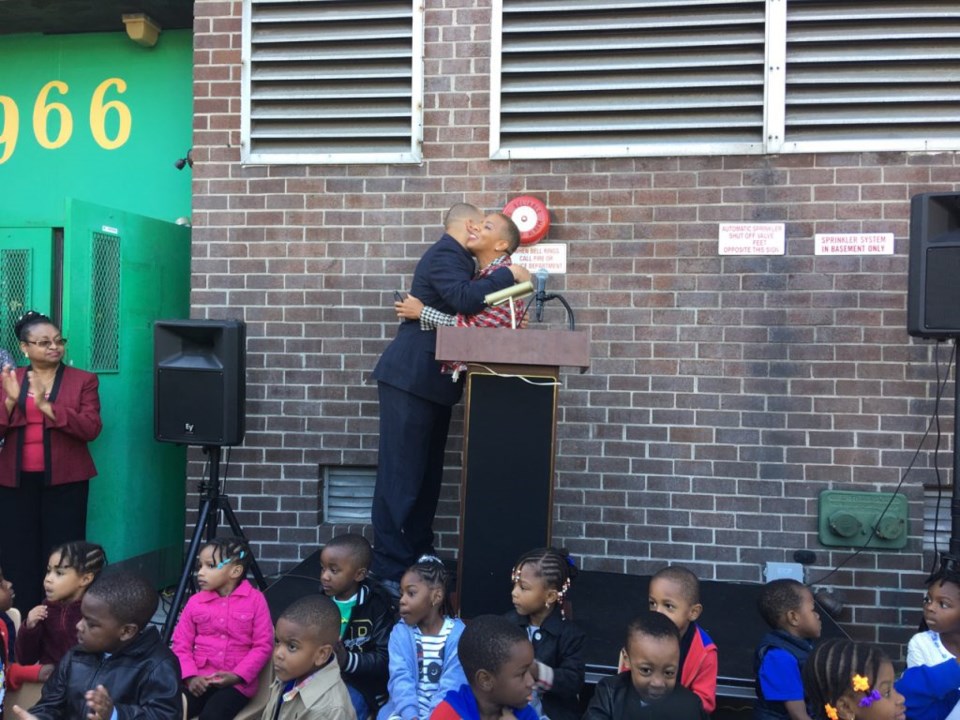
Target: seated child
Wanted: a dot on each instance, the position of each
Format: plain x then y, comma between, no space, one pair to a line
366,618
941,613
541,579
854,681
50,629
497,657
788,608
120,662
7,633
649,689
675,592
224,636
424,663
308,684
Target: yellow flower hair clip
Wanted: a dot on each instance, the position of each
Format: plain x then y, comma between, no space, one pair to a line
831,712
860,683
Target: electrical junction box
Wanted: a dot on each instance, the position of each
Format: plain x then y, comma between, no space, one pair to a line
780,570
863,519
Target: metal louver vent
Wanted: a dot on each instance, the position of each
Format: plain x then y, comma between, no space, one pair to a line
105,304
627,77
613,78
348,494
331,81
935,522
881,74
15,293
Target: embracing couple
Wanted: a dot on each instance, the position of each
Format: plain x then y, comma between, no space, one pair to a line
416,398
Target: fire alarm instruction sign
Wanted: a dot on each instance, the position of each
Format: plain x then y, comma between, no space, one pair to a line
751,239
854,244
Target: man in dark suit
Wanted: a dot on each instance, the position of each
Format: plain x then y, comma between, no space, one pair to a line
416,398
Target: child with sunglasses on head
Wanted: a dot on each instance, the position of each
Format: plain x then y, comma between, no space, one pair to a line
541,579
224,636
424,663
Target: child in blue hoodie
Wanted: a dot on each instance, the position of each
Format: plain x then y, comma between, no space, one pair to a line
496,656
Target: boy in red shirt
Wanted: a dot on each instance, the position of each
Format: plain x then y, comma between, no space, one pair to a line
675,592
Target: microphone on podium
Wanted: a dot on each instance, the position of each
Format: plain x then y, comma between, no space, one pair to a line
541,292
514,291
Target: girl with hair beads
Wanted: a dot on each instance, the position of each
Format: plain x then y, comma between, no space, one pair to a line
845,680
541,580
224,636
51,628
424,663
941,613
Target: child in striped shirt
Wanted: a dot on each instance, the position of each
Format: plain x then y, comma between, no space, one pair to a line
424,663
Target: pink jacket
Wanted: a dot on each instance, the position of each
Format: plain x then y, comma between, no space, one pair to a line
225,634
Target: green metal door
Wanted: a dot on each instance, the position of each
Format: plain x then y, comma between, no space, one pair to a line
121,273
26,278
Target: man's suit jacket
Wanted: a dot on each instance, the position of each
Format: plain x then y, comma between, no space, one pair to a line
443,279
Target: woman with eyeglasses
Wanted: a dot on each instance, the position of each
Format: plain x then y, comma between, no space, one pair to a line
49,411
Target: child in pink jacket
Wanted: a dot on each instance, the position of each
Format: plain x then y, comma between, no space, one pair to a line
224,636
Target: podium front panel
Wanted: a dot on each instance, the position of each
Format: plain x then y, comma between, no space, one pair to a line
507,488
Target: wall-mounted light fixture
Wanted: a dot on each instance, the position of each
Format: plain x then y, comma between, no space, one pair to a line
142,29
186,161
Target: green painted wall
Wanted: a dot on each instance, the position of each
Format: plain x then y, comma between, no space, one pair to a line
114,118
138,176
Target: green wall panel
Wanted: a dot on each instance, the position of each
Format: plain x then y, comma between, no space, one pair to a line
90,128
137,175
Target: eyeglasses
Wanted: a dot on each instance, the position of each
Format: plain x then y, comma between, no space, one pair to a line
47,344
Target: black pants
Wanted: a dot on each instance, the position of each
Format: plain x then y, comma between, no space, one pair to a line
216,703
413,435
33,519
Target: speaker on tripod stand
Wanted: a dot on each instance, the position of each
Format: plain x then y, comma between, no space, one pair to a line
200,399
933,308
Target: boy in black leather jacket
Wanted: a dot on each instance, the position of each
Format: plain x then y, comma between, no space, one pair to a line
367,616
651,688
120,664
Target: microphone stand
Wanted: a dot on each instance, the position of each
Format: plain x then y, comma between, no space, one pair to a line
571,322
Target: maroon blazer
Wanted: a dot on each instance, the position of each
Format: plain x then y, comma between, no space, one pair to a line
76,404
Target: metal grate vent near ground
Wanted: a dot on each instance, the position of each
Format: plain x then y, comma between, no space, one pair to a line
348,494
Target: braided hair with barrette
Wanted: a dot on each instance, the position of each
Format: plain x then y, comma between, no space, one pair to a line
554,566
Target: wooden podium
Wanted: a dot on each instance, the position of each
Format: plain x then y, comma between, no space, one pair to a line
509,447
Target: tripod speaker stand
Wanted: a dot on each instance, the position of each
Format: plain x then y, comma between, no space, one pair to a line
213,504
199,399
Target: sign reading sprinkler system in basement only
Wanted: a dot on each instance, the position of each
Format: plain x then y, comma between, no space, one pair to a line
854,243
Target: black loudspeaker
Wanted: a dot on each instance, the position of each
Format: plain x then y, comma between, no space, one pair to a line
199,388
933,287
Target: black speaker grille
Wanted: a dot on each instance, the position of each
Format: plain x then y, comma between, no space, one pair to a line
942,291
192,406
199,381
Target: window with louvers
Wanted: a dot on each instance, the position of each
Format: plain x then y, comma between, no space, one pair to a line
328,81
613,78
876,75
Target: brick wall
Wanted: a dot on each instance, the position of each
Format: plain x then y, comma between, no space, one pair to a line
724,394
